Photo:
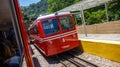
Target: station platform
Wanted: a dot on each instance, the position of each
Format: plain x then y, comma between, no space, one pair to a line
103,45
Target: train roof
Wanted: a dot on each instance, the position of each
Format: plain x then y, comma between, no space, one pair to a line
52,15
47,16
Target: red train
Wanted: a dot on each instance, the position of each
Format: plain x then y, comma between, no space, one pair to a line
54,33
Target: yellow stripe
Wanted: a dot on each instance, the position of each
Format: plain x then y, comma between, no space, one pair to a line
103,49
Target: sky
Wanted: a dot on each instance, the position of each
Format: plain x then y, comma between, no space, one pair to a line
27,2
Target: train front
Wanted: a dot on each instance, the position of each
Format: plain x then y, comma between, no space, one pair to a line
57,33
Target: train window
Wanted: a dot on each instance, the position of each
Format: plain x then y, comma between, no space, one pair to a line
66,23
35,30
10,39
50,26
9,49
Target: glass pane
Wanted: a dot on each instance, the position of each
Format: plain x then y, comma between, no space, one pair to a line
10,45
50,26
66,23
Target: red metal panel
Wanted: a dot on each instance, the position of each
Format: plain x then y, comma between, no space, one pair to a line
24,35
53,47
40,29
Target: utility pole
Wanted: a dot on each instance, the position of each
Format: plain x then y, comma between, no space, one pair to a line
106,9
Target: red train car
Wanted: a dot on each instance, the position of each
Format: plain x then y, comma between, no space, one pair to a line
54,33
14,47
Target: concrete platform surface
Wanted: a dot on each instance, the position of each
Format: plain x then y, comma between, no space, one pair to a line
105,37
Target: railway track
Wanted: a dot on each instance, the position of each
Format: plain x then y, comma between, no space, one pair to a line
68,59
72,57
73,61
82,61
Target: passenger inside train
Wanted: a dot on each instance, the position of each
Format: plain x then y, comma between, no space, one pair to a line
9,53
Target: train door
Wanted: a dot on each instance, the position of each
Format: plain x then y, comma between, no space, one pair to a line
69,37
51,32
13,38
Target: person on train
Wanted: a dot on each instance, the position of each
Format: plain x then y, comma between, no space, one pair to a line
4,54
7,55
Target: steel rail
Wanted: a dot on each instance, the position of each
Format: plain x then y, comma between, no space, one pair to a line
91,64
72,61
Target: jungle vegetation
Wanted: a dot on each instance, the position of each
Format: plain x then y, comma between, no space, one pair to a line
92,16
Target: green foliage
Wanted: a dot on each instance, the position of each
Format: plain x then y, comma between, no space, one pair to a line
35,9
55,5
95,17
92,16
98,14
114,10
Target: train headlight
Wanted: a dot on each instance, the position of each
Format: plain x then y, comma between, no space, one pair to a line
63,40
50,42
74,35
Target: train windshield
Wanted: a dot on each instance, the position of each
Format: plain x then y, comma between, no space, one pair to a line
66,23
50,26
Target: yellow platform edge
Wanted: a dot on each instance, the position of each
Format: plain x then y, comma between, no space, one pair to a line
108,50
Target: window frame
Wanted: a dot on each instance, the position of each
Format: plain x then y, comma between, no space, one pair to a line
73,26
53,33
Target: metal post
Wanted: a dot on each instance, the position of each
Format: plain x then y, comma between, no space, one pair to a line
83,21
106,9
75,20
